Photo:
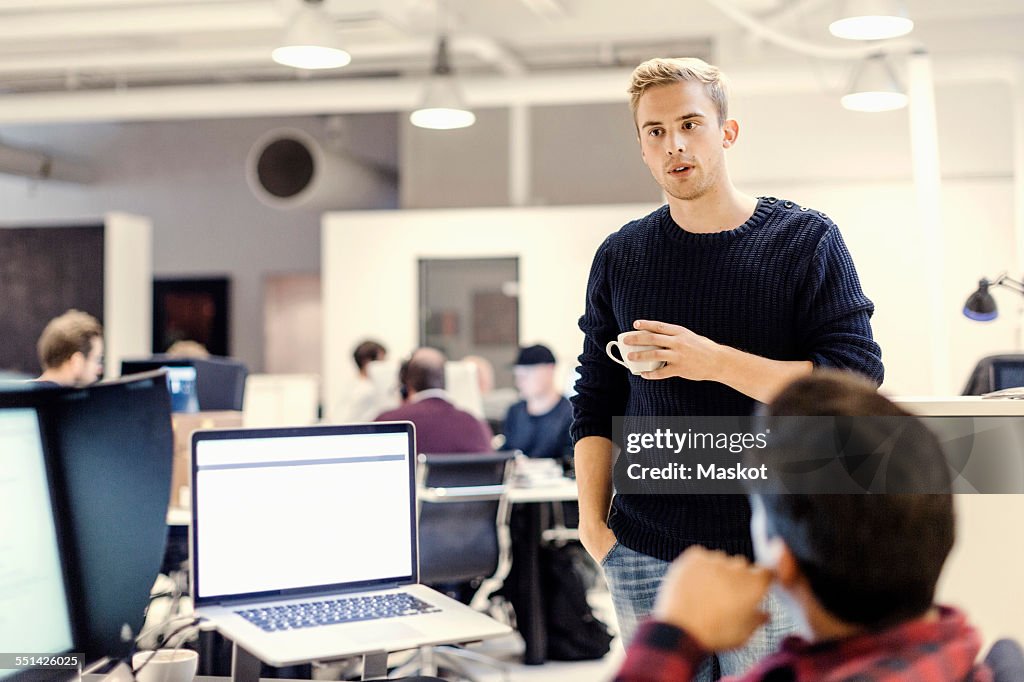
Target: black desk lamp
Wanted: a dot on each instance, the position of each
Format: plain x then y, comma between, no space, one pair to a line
980,305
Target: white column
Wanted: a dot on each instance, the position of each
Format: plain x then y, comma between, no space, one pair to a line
1017,104
924,144
127,289
519,133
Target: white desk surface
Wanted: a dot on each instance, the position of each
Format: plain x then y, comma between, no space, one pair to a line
960,406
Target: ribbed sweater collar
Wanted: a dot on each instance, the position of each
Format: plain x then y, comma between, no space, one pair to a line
681,235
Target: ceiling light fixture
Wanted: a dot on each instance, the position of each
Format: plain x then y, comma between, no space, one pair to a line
309,42
442,107
874,87
872,20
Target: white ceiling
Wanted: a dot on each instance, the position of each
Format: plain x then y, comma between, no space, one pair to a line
51,47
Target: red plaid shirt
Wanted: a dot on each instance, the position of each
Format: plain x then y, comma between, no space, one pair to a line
938,650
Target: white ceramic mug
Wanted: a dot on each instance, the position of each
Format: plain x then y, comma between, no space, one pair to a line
634,366
166,665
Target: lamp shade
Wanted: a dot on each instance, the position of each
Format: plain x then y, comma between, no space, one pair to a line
874,87
980,305
309,42
442,107
872,20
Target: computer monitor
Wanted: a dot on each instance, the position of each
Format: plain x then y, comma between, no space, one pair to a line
220,382
36,614
113,451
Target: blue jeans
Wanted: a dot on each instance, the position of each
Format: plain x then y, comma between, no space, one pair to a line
634,578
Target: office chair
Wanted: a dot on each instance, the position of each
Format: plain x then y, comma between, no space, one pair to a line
995,373
464,537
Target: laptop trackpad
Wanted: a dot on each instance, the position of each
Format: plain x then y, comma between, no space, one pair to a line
382,632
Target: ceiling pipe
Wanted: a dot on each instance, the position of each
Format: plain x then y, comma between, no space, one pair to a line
761,30
41,166
359,95
366,56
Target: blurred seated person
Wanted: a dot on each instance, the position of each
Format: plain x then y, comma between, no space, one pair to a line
857,572
361,402
441,428
71,350
187,348
496,401
539,423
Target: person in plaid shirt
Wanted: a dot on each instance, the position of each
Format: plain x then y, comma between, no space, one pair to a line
858,572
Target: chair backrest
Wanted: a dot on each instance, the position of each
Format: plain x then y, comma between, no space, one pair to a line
1006,661
463,519
995,373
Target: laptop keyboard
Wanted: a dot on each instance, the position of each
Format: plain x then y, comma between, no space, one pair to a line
333,611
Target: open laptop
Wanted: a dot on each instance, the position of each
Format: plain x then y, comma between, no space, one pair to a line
295,529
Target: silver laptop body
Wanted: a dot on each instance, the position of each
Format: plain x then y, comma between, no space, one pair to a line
298,516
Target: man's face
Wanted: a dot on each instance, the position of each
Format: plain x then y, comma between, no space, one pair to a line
92,367
533,381
681,140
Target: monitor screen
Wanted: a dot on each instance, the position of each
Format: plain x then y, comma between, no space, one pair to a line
181,382
34,612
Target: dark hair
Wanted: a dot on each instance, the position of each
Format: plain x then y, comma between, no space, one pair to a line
73,332
425,370
870,559
367,352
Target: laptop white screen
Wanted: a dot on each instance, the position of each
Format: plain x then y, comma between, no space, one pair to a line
34,614
294,512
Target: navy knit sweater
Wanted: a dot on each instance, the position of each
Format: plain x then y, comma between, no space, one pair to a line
781,286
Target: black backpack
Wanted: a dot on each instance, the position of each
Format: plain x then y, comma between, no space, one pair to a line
574,633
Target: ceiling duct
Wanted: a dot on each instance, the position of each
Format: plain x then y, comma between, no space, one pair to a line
288,168
42,166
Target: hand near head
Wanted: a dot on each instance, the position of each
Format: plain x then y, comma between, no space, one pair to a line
685,353
713,597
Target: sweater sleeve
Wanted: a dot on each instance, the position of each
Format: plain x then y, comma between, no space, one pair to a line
834,321
603,388
661,653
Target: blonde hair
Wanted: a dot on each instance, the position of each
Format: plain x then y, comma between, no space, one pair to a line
666,71
73,332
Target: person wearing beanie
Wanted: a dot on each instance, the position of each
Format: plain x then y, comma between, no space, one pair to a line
539,423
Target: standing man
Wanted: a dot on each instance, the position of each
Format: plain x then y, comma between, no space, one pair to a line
539,423
71,350
742,295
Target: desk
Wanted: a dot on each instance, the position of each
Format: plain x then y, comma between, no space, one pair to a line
527,585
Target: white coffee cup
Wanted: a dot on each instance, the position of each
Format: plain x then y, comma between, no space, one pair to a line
634,366
166,665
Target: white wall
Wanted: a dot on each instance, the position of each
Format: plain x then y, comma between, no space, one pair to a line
369,273
378,252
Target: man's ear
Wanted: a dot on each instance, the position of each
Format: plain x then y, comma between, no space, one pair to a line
77,361
730,131
787,570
